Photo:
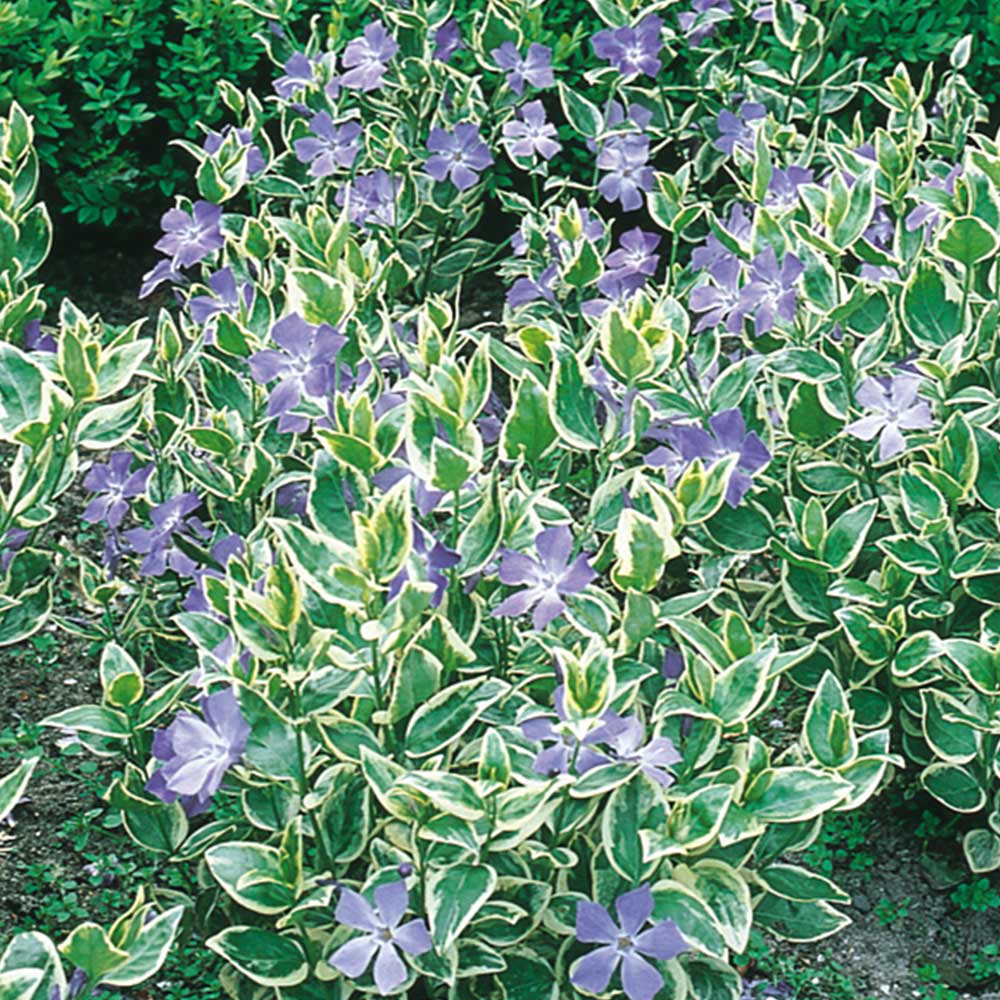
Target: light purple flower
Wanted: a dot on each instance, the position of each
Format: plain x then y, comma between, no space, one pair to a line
535,68
304,365
114,485
632,50
227,298
255,158
532,134
35,340
298,74
457,156
897,408
625,944
719,299
783,189
567,749
152,279
770,292
366,58
739,226
381,935
882,229
653,757
765,12
619,122
877,273
74,988
547,579
698,23
156,544
727,435
329,147
196,753
525,290
739,129
189,237
437,559
373,198
928,213
632,263
12,543
625,160
447,40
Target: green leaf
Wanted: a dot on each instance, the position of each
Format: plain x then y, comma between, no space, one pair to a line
149,951
953,785
966,240
267,958
88,947
794,794
800,885
449,714
982,850
642,547
121,677
584,116
528,431
930,314
454,896
31,951
797,921
12,786
251,874
846,536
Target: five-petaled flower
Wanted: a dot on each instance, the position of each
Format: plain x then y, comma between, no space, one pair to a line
366,58
770,292
739,129
381,935
632,50
114,485
298,75
625,943
330,146
457,156
625,160
196,753
727,435
303,365
547,579
372,198
156,544
534,68
530,133
190,236
897,408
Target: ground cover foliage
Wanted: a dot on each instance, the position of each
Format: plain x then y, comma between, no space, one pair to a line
439,649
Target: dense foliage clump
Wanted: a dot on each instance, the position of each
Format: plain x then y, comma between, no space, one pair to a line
442,646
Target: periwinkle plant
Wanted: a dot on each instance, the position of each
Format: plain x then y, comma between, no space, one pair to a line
472,622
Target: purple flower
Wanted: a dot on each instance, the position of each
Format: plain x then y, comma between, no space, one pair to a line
329,147
196,753
532,134
156,544
74,988
304,365
457,156
632,263
548,579
190,237
765,12
526,290
13,541
928,213
152,279
783,189
673,664
626,162
739,129
882,229
719,299
373,198
897,409
255,158
35,340
535,68
727,435
653,758
698,23
877,273
771,291
381,935
447,40
632,50
437,558
739,226
114,486
624,943
567,747
227,298
298,74
366,57
619,122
